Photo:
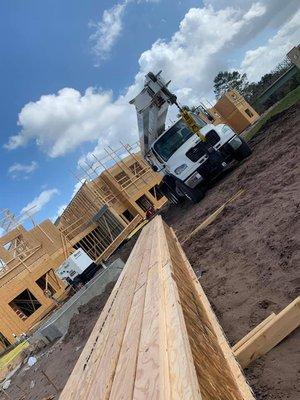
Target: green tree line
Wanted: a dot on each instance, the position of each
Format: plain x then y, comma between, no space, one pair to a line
227,80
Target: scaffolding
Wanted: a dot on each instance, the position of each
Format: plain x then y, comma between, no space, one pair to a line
131,176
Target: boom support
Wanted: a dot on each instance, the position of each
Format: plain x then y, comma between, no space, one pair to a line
152,106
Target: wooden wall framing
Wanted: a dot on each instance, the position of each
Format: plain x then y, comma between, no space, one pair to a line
38,255
26,256
116,182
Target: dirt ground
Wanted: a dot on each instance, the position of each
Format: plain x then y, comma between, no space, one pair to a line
248,260
249,257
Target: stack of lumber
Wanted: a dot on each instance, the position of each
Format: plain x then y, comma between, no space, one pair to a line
157,337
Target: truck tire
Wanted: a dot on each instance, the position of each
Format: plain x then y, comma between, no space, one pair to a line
170,193
172,197
243,151
195,195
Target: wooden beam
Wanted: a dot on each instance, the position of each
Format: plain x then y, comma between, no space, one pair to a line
253,332
209,220
268,336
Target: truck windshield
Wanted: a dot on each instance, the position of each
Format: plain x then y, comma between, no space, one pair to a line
172,139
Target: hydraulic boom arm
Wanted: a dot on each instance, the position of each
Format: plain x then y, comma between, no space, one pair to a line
152,106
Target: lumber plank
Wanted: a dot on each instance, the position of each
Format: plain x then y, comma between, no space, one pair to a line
112,337
182,374
157,337
126,367
152,370
223,362
210,219
270,335
253,332
147,383
183,378
104,369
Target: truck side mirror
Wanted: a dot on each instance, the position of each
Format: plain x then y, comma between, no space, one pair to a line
155,168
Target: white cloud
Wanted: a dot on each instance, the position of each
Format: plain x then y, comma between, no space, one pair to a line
261,60
256,10
22,170
39,202
60,122
189,58
192,57
107,30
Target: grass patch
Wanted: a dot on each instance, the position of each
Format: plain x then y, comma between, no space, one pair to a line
283,104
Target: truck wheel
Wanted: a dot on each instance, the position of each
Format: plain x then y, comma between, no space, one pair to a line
243,151
172,197
195,195
168,188
170,194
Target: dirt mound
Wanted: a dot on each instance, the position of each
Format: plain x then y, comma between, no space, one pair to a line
82,323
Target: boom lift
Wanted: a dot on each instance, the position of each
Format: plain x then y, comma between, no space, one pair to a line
191,152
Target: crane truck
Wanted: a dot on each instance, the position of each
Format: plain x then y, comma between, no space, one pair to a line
191,152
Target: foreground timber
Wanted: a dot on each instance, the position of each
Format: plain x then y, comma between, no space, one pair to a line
157,337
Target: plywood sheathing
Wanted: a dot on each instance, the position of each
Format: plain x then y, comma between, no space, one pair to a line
233,108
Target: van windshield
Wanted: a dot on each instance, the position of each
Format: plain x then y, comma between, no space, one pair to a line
172,139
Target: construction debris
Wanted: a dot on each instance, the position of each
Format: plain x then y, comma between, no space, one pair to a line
6,384
31,361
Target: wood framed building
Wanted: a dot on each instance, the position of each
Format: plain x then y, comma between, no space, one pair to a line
104,211
29,288
232,109
110,204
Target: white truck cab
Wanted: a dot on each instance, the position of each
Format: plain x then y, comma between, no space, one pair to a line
190,163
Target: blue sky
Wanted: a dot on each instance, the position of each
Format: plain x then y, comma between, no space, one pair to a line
108,46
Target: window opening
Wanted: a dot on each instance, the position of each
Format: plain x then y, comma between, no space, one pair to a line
25,304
